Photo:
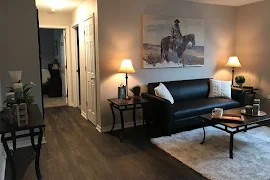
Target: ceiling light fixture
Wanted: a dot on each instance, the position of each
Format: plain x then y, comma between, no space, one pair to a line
56,4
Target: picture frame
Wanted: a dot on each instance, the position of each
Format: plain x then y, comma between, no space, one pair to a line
122,92
172,42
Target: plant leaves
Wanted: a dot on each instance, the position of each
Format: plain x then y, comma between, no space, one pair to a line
26,90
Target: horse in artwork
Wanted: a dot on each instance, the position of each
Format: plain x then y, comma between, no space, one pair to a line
167,44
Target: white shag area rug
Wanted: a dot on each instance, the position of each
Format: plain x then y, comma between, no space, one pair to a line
251,153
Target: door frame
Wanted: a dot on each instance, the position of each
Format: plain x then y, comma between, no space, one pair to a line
68,56
75,77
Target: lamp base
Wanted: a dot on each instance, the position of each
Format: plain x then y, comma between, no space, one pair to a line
127,98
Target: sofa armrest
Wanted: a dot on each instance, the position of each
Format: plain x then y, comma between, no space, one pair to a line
239,95
158,110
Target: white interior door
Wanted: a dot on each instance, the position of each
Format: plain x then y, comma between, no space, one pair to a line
90,70
63,65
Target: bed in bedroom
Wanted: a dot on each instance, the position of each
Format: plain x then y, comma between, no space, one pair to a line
51,83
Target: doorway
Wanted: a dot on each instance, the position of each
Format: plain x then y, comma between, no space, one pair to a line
53,67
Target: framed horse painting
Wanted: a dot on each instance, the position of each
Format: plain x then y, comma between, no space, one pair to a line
172,42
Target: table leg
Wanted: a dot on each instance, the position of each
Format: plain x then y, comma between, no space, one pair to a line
38,148
10,158
245,129
134,115
111,105
14,143
32,140
231,146
122,126
203,135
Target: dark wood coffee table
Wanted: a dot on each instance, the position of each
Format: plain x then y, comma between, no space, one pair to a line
249,122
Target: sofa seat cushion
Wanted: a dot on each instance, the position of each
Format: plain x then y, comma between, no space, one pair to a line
192,108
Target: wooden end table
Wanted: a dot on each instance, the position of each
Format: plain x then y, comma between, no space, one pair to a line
35,122
124,105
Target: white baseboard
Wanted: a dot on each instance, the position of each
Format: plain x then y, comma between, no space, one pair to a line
118,126
83,114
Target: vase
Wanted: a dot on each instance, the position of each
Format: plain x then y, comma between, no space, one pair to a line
16,76
18,91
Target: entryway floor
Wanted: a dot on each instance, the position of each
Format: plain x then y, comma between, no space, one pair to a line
53,102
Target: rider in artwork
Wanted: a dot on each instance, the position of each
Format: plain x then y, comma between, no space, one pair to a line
177,38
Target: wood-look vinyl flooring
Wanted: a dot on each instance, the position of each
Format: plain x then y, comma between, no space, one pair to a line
76,151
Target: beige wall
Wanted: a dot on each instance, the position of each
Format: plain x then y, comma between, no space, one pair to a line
87,9
19,39
57,19
120,36
252,44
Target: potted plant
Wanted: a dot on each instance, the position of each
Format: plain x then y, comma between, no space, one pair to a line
27,97
136,91
240,80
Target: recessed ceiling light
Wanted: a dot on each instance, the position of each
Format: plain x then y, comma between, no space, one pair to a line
56,4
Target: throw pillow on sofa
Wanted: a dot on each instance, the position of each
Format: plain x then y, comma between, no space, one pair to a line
220,88
163,92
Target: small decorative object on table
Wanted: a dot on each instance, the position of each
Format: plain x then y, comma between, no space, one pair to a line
18,100
20,114
249,110
217,114
136,91
18,91
121,92
256,106
260,113
10,98
9,115
240,80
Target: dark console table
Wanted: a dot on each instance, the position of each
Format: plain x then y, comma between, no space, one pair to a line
124,105
35,127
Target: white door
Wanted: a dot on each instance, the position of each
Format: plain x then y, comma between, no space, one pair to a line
63,65
90,70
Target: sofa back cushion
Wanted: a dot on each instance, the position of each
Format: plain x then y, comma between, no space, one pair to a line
184,90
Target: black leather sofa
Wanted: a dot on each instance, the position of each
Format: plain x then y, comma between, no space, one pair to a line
191,100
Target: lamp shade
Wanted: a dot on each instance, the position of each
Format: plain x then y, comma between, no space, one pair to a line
233,62
126,67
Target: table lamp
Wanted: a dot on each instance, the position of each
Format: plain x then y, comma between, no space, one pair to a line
126,67
233,63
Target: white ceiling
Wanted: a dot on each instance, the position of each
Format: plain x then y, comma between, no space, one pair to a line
227,2
69,5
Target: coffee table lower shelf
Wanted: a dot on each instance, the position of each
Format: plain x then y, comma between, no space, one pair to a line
233,128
